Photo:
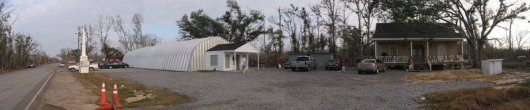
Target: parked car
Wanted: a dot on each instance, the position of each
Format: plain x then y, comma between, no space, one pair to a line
303,62
113,64
32,65
92,67
371,65
333,64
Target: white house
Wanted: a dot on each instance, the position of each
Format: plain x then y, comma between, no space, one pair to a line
230,57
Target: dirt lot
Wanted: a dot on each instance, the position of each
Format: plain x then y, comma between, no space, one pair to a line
283,89
65,92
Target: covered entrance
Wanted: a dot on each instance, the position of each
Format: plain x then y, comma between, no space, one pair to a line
231,57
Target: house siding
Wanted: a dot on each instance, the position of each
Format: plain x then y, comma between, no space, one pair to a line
403,47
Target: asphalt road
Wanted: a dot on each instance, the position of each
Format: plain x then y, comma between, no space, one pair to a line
18,88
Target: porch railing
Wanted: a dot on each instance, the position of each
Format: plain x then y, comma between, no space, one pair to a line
393,59
446,58
432,59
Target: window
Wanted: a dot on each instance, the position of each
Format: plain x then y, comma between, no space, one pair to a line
213,60
442,49
392,50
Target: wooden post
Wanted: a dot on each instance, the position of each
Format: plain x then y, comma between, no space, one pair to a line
427,56
375,49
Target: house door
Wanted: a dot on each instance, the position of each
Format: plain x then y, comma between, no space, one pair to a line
419,52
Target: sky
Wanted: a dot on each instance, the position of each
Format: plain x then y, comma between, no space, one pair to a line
53,23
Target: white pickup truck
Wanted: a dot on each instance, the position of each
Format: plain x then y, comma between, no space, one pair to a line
92,67
304,63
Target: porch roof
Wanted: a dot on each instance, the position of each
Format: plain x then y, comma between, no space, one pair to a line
424,31
235,47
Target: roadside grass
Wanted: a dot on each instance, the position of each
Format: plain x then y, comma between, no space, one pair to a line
515,98
127,89
452,75
10,70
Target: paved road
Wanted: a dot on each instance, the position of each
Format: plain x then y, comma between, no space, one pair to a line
283,89
18,88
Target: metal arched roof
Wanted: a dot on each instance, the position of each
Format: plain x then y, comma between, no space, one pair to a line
176,56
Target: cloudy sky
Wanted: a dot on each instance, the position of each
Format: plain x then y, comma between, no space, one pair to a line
53,22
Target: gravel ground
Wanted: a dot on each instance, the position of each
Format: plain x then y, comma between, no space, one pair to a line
283,89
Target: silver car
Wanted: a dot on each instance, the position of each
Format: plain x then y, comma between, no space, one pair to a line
371,65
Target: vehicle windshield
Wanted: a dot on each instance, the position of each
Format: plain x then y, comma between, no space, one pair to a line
302,59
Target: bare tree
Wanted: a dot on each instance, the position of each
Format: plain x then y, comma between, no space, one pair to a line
476,20
521,39
123,35
327,12
103,27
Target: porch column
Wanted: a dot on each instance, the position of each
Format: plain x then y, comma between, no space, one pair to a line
258,60
375,49
246,61
410,48
235,61
427,56
462,54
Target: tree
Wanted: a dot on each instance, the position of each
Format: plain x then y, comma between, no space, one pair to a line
476,20
123,35
103,26
366,12
328,12
241,26
135,40
200,25
521,39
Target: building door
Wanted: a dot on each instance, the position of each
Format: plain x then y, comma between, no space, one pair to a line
419,52
228,58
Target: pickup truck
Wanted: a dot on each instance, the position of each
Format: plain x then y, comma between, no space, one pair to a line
303,62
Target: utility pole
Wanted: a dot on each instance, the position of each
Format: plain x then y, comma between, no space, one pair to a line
78,33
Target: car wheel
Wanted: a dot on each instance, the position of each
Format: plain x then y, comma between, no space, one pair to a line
126,66
359,71
293,69
91,68
110,67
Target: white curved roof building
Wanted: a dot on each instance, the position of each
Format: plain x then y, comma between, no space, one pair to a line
178,56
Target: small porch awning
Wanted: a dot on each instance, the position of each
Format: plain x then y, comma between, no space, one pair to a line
241,47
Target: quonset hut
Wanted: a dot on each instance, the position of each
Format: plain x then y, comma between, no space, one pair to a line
178,56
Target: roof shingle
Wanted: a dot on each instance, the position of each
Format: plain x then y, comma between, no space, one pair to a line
424,30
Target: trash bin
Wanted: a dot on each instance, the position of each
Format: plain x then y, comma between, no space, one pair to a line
492,66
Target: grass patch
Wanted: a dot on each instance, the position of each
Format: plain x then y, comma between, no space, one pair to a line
516,98
162,96
10,70
452,75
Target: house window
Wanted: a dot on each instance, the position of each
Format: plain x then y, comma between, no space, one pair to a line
392,50
227,61
213,60
442,49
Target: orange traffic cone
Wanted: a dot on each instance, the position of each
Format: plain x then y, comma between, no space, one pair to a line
103,97
115,97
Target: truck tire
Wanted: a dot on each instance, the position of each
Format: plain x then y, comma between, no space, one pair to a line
293,69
